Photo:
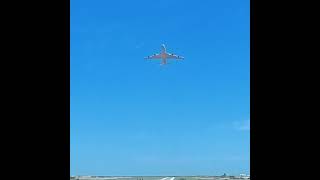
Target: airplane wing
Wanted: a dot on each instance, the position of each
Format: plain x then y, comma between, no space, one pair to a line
155,56
173,56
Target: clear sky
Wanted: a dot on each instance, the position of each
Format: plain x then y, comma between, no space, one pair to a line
130,116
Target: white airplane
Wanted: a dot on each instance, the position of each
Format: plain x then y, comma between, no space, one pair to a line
164,56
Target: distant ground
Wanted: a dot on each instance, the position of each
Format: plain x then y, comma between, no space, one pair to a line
155,178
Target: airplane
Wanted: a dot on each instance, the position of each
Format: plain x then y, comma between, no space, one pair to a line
244,176
164,55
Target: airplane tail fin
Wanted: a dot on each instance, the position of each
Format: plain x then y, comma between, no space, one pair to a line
163,64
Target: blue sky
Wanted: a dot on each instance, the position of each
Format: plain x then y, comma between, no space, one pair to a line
130,116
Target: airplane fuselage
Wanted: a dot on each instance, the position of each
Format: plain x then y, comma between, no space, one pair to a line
163,54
